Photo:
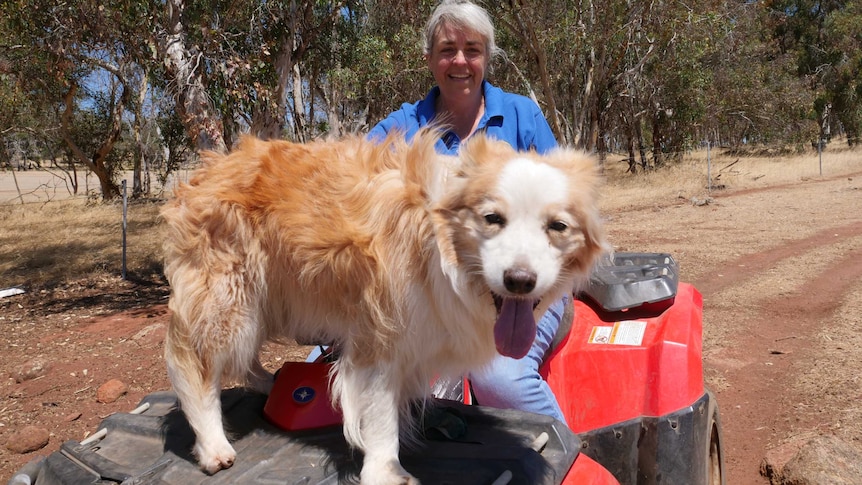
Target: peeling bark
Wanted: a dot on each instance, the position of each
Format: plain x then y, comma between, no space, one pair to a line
186,83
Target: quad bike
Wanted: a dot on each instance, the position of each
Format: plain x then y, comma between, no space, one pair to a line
626,370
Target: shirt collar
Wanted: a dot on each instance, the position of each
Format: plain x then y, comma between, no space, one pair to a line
494,104
493,115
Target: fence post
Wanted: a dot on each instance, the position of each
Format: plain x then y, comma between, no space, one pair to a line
125,205
820,154
708,170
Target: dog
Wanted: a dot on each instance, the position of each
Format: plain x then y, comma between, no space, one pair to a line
414,264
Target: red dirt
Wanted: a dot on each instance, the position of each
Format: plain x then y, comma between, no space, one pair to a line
780,269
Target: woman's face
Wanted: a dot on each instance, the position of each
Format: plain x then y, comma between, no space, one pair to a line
458,61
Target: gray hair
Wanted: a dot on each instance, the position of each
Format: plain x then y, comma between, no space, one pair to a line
461,14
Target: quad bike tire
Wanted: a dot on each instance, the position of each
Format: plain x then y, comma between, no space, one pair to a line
715,460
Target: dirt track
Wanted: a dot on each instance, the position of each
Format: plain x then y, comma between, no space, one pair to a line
780,269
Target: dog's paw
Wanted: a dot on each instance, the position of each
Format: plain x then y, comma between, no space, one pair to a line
385,473
215,457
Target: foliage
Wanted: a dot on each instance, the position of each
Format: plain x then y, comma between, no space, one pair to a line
653,79
826,40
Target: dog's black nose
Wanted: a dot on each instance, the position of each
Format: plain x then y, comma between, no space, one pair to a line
519,281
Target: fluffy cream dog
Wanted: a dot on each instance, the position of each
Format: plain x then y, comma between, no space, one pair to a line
414,264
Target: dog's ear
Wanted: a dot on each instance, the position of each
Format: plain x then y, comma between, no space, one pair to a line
584,174
447,216
595,241
445,227
424,169
480,149
444,231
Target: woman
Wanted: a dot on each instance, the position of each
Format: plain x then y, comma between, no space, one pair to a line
458,46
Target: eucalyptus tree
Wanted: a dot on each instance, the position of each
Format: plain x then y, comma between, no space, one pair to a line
611,75
80,62
842,38
239,66
648,78
824,38
385,59
16,110
755,95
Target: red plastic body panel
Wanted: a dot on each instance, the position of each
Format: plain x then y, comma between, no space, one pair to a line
300,397
586,471
599,384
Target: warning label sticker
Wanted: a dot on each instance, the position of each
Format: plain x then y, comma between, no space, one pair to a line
626,332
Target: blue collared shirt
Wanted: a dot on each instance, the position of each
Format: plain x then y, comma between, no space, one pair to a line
508,117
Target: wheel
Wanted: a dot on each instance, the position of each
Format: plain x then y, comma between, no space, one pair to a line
715,459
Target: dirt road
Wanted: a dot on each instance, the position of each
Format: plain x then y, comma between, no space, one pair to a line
780,269
40,186
51,185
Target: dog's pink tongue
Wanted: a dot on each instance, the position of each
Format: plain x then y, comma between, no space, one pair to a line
515,329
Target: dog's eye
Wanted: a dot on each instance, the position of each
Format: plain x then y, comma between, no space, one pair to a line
495,219
558,226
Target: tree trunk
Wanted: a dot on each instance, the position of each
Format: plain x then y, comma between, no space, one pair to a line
641,148
298,105
138,187
182,67
97,164
630,144
269,124
528,35
656,141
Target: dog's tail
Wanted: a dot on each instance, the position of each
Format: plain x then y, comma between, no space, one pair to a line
206,343
213,261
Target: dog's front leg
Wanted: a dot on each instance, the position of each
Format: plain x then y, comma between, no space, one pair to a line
370,400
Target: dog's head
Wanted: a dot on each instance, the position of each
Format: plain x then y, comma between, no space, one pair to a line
521,227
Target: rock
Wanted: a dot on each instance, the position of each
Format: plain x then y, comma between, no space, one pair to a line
824,459
30,438
111,391
701,202
777,457
150,332
72,417
33,368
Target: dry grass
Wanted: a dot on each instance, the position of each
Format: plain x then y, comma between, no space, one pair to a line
689,179
46,244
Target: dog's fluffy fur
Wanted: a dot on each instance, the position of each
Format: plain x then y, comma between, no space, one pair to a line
393,252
